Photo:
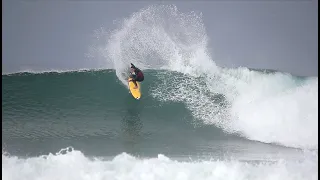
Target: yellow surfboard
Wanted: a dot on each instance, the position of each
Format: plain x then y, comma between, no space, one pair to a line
136,93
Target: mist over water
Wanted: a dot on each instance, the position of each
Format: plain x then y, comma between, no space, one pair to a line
273,108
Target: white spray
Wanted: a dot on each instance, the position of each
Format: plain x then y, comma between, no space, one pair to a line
276,107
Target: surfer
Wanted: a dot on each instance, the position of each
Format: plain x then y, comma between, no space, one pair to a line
136,75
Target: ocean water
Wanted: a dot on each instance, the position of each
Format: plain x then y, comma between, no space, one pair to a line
195,120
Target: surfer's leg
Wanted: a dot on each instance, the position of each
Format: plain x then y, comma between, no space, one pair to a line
135,83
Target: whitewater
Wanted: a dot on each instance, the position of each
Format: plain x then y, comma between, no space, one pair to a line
271,108
72,164
195,120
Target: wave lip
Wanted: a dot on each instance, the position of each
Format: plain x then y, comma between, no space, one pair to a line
29,71
278,108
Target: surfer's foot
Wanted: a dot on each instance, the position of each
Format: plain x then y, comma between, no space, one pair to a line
136,87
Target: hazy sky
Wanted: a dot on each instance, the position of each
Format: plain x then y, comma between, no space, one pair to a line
282,35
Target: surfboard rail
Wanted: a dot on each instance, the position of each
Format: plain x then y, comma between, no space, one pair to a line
136,93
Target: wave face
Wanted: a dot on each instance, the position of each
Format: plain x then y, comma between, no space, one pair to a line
275,107
92,105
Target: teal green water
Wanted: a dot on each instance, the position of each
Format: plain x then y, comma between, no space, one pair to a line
93,111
